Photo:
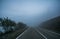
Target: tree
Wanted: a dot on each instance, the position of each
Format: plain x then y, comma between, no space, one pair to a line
21,25
1,21
8,22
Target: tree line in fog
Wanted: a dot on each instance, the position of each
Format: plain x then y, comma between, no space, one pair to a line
10,25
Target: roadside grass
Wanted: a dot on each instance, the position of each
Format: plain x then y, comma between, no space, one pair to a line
13,35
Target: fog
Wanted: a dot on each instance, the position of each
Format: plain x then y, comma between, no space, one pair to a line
30,12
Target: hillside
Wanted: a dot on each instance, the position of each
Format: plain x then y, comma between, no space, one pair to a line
52,24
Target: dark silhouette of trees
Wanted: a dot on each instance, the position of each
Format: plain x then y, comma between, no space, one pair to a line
8,22
1,21
11,26
21,25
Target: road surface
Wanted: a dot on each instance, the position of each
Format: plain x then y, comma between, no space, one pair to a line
38,33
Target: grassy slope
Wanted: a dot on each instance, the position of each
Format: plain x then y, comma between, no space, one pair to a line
52,24
13,35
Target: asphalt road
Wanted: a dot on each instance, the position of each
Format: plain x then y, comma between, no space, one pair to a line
38,33
49,34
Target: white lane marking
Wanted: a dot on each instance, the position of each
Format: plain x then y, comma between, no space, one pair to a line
22,34
51,31
41,34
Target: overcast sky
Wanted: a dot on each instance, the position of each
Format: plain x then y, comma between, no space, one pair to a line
31,12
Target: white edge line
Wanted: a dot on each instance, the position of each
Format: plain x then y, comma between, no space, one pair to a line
52,32
41,34
22,34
